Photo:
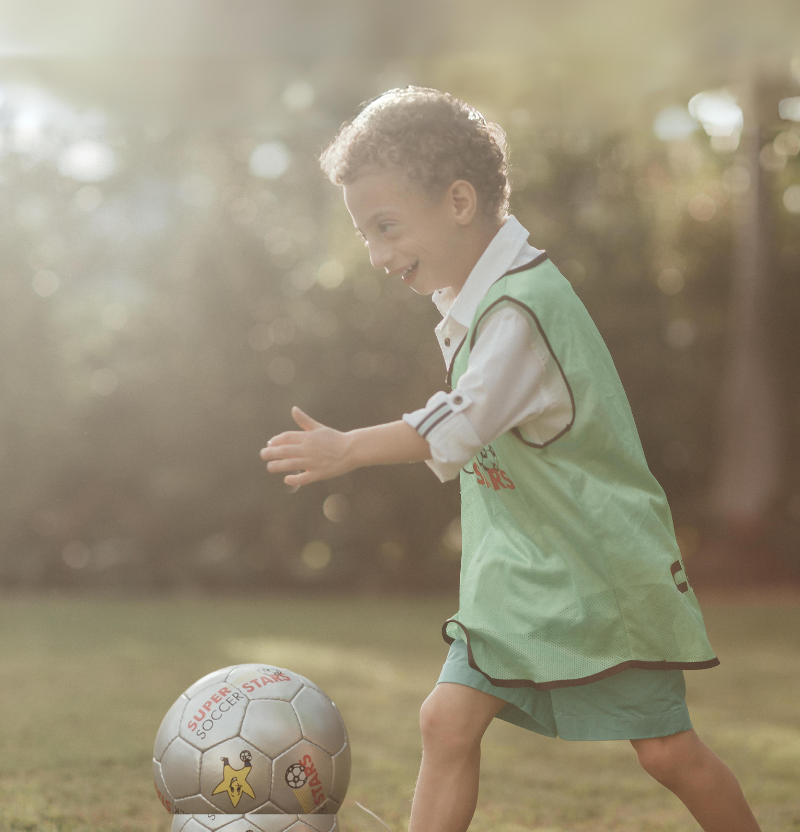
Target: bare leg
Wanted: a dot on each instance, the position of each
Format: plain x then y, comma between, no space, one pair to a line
707,787
453,720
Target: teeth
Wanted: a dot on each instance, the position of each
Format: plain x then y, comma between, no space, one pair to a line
410,269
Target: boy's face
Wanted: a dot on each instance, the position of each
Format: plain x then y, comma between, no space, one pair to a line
416,237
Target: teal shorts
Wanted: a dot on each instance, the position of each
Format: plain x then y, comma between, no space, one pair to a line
630,705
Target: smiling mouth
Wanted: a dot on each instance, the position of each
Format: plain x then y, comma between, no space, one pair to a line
410,271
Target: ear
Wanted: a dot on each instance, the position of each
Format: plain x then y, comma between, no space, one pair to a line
464,201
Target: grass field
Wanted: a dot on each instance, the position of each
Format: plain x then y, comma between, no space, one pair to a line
84,685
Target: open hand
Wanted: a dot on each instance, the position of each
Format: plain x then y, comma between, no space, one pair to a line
315,453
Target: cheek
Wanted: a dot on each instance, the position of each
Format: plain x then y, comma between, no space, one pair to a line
432,241
437,249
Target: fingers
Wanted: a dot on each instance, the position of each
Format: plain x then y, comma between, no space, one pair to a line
286,438
304,420
301,478
279,466
284,452
279,451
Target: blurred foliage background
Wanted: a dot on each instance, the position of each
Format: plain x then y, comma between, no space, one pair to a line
176,273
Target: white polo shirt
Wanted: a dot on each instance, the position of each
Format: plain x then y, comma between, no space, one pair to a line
511,379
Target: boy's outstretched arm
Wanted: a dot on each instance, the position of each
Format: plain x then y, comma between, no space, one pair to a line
320,452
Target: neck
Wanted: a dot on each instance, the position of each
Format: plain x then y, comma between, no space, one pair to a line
474,244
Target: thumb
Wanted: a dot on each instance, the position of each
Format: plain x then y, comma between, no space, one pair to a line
304,420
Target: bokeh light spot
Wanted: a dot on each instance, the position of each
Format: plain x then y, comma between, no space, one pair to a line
702,207
725,144
770,159
299,95
316,554
215,549
45,283
791,199
789,108
670,281
787,143
270,160
681,333
330,274
451,539
336,507
76,554
87,161
674,124
718,112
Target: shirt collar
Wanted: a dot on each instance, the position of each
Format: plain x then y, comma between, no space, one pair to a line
492,265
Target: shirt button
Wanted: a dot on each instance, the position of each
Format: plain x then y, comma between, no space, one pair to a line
457,400
447,342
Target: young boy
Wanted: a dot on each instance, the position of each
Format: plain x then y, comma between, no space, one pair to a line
576,618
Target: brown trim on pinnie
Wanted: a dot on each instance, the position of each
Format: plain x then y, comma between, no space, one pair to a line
540,258
515,430
572,683
449,377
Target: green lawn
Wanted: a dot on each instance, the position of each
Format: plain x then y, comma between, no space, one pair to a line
84,685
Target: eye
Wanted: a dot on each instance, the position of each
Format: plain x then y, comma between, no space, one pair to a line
383,227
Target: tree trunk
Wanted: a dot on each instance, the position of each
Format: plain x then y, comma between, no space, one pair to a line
747,473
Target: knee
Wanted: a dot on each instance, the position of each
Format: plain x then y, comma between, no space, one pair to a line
663,758
443,729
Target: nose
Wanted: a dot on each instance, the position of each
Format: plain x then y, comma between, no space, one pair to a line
379,255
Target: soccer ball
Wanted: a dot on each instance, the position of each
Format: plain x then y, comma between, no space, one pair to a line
252,739
255,823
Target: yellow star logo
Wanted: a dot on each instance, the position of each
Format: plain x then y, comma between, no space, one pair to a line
234,781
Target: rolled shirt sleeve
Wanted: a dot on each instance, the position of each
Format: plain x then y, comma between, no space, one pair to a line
450,434
511,380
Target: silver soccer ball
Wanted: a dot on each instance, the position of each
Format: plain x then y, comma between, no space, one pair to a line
252,739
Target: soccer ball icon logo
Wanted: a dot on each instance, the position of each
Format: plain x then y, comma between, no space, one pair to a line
296,776
486,458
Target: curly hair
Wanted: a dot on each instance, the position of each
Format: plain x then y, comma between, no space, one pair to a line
432,136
